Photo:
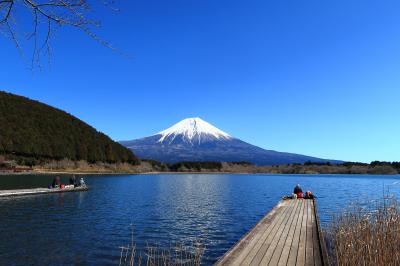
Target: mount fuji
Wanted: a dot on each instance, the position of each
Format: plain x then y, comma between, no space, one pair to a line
193,139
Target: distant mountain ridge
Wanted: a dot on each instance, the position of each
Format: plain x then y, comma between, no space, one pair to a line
193,139
32,129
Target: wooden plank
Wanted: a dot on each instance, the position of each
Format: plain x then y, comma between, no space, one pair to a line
288,243
264,254
265,241
256,260
35,191
321,241
240,251
316,244
301,253
288,235
309,235
296,238
253,242
253,249
274,258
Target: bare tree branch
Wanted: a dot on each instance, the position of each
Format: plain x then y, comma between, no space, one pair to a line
8,13
46,14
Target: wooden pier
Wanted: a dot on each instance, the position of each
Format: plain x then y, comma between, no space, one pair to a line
288,235
35,191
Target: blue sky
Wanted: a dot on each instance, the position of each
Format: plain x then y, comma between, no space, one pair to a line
320,78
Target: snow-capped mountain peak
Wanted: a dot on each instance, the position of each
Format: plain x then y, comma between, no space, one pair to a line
194,140
192,130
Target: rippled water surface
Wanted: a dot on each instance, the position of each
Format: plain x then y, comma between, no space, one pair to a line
87,228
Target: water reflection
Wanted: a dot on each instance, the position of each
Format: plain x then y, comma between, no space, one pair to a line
86,228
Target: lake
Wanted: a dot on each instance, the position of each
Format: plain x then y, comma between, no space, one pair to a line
87,228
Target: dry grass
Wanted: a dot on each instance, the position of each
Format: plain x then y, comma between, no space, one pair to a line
178,255
367,235
68,165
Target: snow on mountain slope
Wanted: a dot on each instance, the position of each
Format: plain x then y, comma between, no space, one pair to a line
192,131
193,139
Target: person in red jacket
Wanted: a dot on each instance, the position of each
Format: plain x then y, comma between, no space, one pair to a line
298,191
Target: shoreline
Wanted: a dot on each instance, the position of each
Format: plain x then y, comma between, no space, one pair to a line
37,172
64,173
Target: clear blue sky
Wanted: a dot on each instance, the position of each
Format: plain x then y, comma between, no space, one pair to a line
320,78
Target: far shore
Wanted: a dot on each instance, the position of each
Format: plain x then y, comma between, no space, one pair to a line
117,173
68,167
36,172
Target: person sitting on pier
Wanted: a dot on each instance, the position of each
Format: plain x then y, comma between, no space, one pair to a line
56,182
82,182
72,180
309,195
298,191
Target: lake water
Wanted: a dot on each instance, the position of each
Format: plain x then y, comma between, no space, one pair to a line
87,228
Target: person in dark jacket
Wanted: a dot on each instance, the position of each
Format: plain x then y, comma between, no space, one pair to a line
298,191
72,180
56,182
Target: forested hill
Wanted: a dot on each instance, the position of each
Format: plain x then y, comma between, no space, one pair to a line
32,129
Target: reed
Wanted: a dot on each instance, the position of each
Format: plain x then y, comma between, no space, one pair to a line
177,255
366,235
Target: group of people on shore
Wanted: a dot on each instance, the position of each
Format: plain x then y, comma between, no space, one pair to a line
72,182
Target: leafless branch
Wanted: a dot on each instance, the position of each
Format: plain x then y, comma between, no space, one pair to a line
47,14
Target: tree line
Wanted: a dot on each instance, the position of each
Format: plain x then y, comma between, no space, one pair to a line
192,166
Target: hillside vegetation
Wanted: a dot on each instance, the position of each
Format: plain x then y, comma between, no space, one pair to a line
376,167
32,131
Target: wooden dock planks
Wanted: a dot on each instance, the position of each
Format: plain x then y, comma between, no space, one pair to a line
288,235
36,191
